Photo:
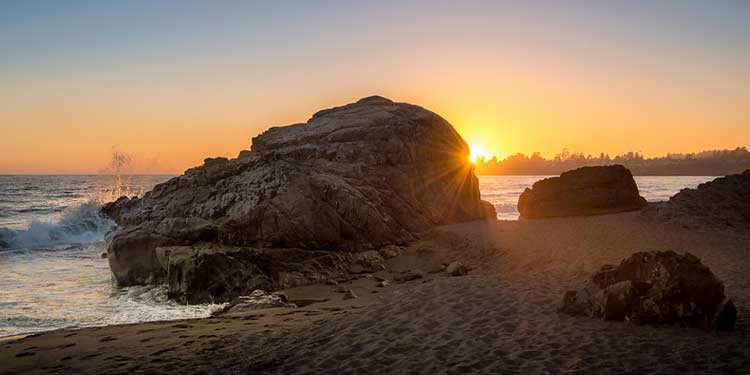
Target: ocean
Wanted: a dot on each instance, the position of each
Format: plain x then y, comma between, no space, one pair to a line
52,274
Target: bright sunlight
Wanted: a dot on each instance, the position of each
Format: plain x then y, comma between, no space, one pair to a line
476,152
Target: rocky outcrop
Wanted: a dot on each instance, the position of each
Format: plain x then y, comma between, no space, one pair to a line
214,273
723,203
581,192
356,178
655,287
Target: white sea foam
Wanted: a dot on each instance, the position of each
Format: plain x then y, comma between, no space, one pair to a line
150,303
79,224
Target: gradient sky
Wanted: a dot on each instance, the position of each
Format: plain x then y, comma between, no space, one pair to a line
173,82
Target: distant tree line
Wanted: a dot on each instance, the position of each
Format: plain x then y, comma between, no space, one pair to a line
704,163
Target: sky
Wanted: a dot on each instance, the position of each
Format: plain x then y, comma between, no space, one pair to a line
173,82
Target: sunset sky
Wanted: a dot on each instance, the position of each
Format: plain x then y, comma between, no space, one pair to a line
173,82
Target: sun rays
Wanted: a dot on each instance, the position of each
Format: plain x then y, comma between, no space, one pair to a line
478,152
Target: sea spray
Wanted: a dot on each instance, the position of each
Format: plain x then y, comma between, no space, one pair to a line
77,225
118,165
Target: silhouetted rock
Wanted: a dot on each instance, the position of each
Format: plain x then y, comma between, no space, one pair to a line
581,192
655,287
352,179
723,203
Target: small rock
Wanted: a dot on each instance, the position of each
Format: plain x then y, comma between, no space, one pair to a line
366,262
378,278
438,269
390,251
725,316
456,269
409,276
382,284
103,255
332,282
349,294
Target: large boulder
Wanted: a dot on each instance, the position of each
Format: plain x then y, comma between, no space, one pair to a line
655,287
723,203
580,192
354,178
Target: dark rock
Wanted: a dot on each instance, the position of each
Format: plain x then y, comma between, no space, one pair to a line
655,287
308,301
725,316
366,262
382,284
409,276
390,251
352,179
581,192
456,269
349,294
723,203
116,209
132,256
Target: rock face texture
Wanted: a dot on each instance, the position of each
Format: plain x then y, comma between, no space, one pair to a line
655,287
723,203
354,178
581,192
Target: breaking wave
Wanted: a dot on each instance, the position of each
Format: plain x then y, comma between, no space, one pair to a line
76,225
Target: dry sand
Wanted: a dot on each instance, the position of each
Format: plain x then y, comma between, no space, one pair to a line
499,319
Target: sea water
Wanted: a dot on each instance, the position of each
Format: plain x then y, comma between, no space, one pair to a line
52,274
503,191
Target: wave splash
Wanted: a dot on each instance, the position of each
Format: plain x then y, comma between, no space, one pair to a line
77,225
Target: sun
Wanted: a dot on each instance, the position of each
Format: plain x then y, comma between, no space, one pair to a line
477,152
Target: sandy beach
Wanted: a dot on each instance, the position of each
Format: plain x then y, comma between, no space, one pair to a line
500,318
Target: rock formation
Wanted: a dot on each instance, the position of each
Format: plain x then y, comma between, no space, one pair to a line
655,287
580,192
723,203
355,178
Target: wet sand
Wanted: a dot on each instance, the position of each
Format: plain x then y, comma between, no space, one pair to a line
498,319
